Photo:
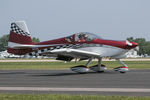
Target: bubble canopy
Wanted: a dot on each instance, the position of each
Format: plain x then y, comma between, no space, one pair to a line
83,37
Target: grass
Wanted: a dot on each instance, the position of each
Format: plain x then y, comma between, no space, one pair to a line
66,97
62,65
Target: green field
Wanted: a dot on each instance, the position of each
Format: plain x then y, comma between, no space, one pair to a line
66,97
62,65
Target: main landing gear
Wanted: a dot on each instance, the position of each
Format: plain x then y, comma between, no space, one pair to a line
84,69
100,67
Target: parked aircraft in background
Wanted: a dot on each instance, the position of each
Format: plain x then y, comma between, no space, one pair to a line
81,45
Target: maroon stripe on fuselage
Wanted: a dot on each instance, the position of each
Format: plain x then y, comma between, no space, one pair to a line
114,43
56,41
17,38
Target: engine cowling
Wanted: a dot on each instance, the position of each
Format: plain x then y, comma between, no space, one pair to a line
80,69
122,69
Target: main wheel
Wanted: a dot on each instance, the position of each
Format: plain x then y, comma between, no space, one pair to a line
96,68
80,69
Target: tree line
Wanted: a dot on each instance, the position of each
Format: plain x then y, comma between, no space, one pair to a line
144,46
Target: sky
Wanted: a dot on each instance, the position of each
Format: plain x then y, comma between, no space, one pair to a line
51,19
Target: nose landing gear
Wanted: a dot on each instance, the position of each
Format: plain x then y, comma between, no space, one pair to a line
121,69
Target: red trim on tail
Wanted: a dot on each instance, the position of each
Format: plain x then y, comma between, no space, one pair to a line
17,38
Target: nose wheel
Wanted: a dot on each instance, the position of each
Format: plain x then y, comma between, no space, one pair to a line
121,69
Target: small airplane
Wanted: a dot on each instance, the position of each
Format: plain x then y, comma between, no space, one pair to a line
82,45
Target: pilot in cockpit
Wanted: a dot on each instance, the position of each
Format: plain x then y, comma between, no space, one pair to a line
82,37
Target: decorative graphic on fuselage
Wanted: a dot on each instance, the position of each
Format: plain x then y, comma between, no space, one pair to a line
76,46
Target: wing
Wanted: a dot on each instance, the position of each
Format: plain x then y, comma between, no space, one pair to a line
75,53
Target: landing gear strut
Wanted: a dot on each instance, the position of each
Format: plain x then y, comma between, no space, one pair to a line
84,69
98,68
89,61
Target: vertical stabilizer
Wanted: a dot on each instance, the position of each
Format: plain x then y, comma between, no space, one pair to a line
19,34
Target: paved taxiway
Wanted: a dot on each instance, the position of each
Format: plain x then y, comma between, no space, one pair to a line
133,83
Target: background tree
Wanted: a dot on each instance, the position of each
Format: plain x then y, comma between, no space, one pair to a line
4,42
35,40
